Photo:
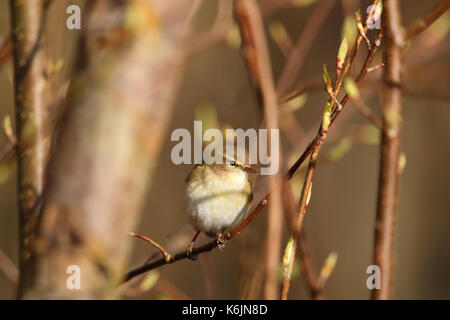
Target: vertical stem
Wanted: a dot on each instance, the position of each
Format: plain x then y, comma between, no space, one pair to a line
258,60
390,148
32,100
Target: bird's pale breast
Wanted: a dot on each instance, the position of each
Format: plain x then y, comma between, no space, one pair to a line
216,202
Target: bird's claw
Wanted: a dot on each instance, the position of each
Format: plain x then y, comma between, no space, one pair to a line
221,242
189,253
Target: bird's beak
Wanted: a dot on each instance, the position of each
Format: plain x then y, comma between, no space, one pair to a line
250,170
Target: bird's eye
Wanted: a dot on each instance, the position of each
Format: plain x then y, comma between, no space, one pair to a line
232,163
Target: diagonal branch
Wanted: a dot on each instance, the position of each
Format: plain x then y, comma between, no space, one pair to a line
302,47
421,24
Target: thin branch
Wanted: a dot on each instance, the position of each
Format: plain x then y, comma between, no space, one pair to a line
316,145
166,255
361,30
304,43
365,110
374,68
390,149
11,144
9,268
216,35
422,23
258,60
6,49
300,244
222,26
307,266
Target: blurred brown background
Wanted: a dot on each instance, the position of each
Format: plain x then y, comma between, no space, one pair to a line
341,213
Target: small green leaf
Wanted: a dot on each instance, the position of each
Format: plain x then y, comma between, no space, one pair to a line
326,116
370,134
340,149
343,48
349,29
294,104
6,169
150,280
351,88
326,79
329,265
342,53
234,37
401,162
288,251
278,31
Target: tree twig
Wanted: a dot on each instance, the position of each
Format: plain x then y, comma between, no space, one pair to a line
258,60
300,244
217,34
167,256
8,268
302,47
390,149
421,24
6,48
316,145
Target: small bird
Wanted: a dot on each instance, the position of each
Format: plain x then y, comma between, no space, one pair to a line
218,197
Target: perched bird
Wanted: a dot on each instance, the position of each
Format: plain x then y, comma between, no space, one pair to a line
218,197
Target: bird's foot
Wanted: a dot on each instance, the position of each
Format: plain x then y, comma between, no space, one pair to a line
189,253
221,242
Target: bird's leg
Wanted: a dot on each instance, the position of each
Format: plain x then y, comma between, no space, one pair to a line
191,247
220,240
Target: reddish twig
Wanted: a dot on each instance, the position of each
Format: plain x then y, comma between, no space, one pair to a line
11,144
421,24
167,256
390,149
6,49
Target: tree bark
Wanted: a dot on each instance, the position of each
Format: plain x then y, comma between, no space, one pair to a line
390,149
107,145
32,100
